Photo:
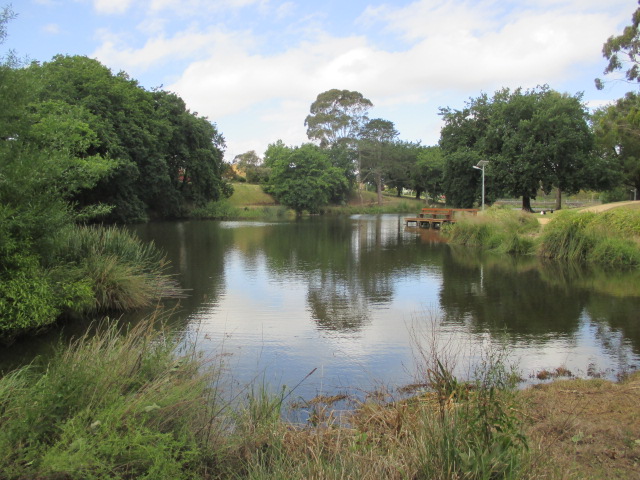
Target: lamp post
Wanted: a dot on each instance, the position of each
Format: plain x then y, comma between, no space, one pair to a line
480,166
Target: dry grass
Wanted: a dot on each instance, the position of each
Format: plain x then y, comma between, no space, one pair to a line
585,429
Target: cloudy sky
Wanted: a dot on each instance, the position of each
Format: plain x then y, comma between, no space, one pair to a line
254,67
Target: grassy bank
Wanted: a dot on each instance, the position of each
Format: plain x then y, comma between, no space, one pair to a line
610,238
125,406
250,202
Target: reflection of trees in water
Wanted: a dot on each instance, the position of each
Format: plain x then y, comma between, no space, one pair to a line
348,264
540,299
620,316
197,253
502,297
337,304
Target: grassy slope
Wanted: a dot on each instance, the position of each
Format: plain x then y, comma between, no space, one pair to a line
248,195
245,194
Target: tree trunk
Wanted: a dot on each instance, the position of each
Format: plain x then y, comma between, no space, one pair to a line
379,187
399,191
526,204
559,200
418,192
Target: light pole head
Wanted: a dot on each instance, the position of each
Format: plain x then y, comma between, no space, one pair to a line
482,163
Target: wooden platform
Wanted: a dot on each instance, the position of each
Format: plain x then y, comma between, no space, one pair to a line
436,217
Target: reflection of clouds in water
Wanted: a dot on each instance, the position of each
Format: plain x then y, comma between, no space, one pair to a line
340,294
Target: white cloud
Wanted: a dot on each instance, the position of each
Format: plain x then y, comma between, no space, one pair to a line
51,28
441,48
111,6
158,49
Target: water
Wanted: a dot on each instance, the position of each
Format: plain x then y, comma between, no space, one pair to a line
276,300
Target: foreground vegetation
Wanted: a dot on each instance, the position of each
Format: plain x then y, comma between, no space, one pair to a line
145,405
610,238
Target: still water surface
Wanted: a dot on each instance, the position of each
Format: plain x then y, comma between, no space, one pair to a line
342,295
276,300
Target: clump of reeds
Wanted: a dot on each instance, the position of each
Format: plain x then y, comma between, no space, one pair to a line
610,238
122,272
498,229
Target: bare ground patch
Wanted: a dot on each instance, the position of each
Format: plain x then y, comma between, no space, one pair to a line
585,429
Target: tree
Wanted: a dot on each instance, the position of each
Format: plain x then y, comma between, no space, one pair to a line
400,164
302,178
337,116
617,131
623,51
533,139
375,148
427,172
251,165
165,158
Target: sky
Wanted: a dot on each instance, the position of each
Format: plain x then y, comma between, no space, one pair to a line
254,67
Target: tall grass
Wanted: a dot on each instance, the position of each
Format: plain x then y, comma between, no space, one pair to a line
502,230
611,238
110,406
123,272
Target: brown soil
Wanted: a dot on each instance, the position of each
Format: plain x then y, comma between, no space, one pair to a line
585,429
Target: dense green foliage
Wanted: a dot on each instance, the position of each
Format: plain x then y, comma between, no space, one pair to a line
302,178
533,139
79,144
375,147
616,128
163,157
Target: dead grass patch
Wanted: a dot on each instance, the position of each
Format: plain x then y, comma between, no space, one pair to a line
585,429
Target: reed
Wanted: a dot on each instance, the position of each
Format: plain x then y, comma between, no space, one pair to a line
123,272
497,229
611,238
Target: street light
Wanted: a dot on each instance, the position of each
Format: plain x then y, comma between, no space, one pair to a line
480,166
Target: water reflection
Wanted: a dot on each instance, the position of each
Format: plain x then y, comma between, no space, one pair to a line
342,294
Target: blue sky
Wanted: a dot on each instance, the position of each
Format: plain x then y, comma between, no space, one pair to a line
254,67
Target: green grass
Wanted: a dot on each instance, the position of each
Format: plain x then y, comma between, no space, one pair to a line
610,238
109,406
502,230
245,194
122,272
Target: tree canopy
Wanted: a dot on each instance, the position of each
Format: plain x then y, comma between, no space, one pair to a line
534,139
302,178
163,157
337,116
617,129
623,52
